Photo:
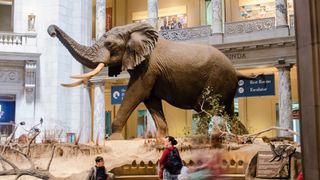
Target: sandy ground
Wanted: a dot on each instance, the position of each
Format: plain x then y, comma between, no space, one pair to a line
125,151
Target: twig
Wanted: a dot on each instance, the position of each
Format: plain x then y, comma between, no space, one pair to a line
52,154
7,144
25,156
32,139
255,135
9,162
210,115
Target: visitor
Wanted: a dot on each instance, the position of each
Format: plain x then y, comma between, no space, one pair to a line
174,24
170,162
184,173
300,176
164,26
99,172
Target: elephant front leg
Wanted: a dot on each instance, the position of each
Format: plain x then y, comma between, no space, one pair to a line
134,95
154,106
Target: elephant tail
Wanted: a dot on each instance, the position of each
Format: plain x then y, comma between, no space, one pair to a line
247,77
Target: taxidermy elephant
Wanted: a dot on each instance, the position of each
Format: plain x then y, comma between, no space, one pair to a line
159,70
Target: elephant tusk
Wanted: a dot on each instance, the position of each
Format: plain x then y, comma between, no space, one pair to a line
77,83
91,73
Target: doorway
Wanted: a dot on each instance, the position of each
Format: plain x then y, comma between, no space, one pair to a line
7,114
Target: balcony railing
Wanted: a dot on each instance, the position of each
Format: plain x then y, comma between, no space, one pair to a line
186,33
8,38
256,25
18,42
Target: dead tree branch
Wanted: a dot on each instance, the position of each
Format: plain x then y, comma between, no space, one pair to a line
51,157
227,132
244,138
25,151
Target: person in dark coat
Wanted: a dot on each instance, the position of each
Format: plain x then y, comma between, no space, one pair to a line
99,172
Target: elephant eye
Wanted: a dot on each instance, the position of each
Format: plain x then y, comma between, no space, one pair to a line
108,44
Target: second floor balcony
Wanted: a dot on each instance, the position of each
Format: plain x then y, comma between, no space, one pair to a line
237,31
18,42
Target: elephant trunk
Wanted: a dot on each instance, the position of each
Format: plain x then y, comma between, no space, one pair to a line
83,54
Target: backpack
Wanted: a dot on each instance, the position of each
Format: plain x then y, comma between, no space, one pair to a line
174,163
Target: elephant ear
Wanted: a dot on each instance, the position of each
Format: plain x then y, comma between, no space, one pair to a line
142,40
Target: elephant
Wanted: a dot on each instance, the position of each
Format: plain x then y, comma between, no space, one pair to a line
159,70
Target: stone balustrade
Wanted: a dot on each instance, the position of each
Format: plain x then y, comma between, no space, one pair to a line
22,39
249,26
186,33
18,42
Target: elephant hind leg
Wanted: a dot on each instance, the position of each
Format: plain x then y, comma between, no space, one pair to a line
154,106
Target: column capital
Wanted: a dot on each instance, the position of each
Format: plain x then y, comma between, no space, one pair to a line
97,80
282,64
98,83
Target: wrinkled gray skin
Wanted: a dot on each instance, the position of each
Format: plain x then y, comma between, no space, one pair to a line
159,70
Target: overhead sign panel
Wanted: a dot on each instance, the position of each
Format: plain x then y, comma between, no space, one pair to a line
117,94
260,86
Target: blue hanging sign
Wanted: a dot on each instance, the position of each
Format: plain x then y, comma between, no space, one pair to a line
260,86
117,94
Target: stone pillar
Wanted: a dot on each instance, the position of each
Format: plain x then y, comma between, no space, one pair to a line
307,24
86,120
99,122
281,13
153,13
285,102
100,18
217,21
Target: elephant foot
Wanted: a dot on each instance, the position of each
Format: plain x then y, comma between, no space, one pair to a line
116,136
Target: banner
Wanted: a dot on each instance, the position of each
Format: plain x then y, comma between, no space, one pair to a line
261,86
117,94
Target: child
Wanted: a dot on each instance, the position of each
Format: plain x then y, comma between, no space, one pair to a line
99,172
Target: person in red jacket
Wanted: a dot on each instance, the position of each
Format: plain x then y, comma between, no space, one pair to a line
300,177
164,174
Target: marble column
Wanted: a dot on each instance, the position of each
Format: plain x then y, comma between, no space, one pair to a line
281,13
99,122
86,121
100,18
217,21
285,102
153,13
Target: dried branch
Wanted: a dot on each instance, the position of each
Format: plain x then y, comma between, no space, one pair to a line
7,144
210,115
32,139
25,156
51,157
25,152
253,136
204,111
9,162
